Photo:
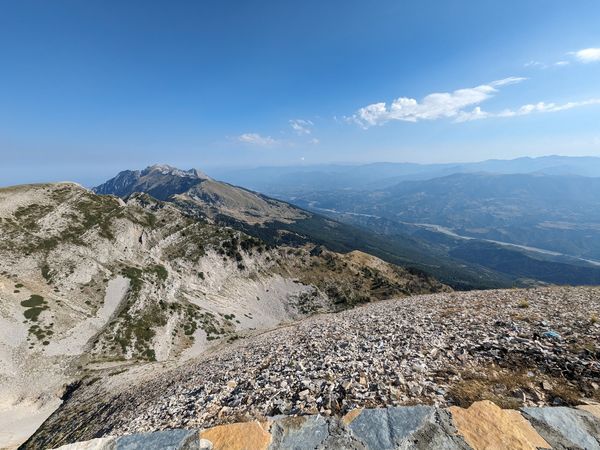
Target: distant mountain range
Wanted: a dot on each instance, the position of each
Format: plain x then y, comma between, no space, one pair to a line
155,264
294,180
280,223
556,213
469,229
543,209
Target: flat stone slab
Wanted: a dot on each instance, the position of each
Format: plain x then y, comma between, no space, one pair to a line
592,409
297,433
418,427
482,426
485,426
94,444
566,428
160,440
237,436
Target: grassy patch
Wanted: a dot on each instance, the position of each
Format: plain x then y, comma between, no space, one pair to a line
523,304
506,388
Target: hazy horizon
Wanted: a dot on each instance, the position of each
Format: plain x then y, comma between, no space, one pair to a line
88,174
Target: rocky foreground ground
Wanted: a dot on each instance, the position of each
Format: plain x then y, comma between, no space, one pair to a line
483,426
515,347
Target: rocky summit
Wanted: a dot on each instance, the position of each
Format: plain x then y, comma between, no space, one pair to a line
92,282
517,348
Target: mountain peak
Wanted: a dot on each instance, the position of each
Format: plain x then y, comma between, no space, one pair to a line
165,169
159,180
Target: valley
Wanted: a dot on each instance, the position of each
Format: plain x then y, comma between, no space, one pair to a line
538,216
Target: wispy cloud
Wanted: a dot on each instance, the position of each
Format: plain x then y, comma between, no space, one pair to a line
301,126
433,106
587,55
256,139
541,107
542,65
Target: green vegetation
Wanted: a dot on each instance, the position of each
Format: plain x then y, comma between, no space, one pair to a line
99,212
137,276
137,330
89,211
46,272
33,301
135,280
28,216
402,250
134,329
519,264
35,305
160,272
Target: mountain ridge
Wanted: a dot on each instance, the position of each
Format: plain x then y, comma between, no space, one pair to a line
355,221
90,282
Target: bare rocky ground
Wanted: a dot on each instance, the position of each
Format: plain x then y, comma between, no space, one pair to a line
89,282
515,347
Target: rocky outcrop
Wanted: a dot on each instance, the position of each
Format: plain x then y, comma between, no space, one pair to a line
92,286
514,347
483,426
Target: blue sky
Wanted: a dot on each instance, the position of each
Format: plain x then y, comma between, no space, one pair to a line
90,88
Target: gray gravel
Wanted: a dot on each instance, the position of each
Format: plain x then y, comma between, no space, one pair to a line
407,351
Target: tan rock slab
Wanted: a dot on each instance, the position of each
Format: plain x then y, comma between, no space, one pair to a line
351,415
592,409
239,436
485,426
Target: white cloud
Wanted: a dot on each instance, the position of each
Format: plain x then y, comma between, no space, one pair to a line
476,114
256,139
541,107
301,126
433,106
534,64
588,55
541,65
314,141
507,81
